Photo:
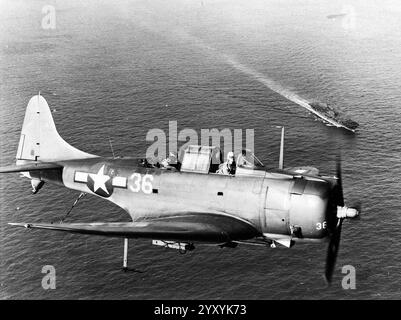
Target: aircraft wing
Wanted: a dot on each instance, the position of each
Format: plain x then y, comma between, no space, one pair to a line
213,228
29,167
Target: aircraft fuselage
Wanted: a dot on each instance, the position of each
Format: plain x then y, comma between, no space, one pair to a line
277,204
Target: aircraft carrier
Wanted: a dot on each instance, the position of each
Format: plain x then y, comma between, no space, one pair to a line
332,116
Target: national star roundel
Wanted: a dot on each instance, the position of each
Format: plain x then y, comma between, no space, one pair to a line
101,180
100,183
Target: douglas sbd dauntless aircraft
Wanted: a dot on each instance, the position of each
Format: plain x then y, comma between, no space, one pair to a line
190,204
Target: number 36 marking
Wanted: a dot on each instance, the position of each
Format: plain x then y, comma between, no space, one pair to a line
320,226
137,183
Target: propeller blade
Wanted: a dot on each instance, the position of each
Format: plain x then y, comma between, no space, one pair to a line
332,251
339,193
335,223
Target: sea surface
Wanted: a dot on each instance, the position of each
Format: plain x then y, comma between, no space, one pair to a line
116,69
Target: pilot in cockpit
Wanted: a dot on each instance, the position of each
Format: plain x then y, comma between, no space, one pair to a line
243,162
229,166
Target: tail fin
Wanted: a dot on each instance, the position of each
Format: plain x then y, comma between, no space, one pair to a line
40,140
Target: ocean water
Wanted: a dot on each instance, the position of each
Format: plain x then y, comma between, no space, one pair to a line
120,69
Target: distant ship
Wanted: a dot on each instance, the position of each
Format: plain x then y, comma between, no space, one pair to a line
332,116
335,16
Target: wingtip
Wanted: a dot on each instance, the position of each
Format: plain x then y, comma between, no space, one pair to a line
15,224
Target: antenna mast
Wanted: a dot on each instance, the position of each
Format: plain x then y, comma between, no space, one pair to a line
111,147
281,160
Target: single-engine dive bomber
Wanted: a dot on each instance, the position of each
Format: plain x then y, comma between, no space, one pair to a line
187,203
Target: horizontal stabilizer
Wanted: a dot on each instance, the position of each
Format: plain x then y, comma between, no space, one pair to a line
34,166
205,228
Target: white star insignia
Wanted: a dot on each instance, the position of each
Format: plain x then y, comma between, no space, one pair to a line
100,180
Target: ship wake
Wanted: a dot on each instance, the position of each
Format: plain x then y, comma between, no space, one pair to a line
267,82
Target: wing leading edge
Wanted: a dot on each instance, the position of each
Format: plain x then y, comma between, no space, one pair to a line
212,228
32,166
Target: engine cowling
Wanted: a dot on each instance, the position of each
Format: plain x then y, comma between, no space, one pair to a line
298,209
